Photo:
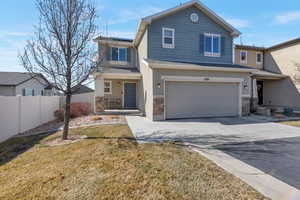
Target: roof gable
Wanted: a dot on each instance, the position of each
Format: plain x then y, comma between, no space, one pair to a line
17,78
285,44
212,15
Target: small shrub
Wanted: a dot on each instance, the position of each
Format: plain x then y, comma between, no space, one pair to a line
76,110
80,109
59,114
97,118
114,117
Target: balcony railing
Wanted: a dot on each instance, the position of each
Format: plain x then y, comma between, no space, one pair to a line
113,103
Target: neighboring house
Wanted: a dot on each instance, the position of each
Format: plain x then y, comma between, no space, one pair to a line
284,60
180,65
24,84
250,56
80,89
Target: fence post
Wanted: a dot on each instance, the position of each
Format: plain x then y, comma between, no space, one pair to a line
19,102
40,110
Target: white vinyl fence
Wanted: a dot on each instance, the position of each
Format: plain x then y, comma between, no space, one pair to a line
21,113
83,98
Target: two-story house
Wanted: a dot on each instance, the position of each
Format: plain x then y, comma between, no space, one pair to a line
278,81
179,65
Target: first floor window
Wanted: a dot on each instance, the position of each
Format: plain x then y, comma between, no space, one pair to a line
259,58
28,92
119,54
243,56
107,87
212,45
168,38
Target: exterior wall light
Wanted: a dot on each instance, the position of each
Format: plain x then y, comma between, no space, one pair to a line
158,85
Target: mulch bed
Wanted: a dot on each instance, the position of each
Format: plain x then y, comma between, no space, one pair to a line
71,139
89,120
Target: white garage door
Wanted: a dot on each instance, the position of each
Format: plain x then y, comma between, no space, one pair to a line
196,99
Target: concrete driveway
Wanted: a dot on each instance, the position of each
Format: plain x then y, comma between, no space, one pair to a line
209,131
265,155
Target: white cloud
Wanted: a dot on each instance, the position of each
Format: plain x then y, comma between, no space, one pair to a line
118,33
13,33
288,17
127,15
238,23
11,43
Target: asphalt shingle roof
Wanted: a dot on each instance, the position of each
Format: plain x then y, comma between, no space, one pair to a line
14,78
79,89
211,64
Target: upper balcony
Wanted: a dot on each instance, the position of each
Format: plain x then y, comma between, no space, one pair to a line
115,52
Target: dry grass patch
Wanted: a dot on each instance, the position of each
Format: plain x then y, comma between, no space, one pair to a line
109,164
292,123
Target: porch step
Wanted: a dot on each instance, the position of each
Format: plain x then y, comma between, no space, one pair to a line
122,112
263,111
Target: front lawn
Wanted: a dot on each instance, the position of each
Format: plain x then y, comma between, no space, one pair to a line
292,123
109,164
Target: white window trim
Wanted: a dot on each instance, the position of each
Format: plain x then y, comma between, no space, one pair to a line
110,87
169,46
261,56
212,54
246,60
118,61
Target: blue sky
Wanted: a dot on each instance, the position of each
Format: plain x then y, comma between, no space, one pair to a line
262,23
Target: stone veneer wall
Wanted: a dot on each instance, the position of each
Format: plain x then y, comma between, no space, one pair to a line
255,104
245,106
99,104
158,107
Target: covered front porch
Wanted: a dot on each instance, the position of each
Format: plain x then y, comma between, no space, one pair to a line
116,92
264,90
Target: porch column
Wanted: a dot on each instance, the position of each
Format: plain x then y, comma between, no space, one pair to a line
99,94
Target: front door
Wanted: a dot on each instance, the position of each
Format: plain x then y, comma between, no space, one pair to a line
260,92
129,95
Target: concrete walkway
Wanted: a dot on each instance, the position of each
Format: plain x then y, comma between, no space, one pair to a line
206,135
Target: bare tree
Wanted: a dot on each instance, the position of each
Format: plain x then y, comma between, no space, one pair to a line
61,48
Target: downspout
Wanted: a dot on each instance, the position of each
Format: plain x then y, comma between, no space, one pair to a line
251,96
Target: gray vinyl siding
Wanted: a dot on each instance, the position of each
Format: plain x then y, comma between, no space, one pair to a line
37,86
7,90
187,38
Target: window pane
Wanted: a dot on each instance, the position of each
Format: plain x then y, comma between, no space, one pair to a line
259,57
168,33
106,84
216,44
243,56
122,54
168,40
114,53
106,90
208,41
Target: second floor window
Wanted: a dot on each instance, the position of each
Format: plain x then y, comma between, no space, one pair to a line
168,38
259,58
212,45
243,57
119,54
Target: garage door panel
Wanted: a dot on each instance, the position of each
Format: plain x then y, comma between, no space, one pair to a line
194,99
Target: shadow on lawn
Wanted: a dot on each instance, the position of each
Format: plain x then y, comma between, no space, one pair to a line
15,146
